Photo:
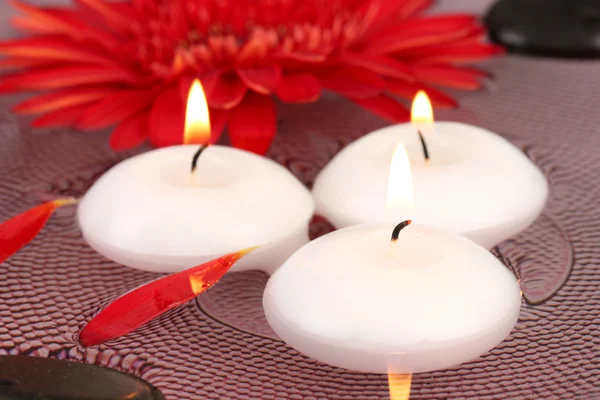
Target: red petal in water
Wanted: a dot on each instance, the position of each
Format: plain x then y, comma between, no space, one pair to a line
252,124
352,81
298,88
386,107
130,133
167,119
141,305
262,80
18,231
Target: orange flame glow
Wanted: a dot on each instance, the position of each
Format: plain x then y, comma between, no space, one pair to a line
197,119
421,111
399,385
400,187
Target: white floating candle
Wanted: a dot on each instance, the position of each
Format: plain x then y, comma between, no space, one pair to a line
430,301
150,212
422,301
474,183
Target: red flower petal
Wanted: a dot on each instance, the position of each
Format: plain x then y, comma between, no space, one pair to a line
141,305
114,14
49,19
130,133
454,53
115,108
450,76
385,107
254,49
56,100
14,62
382,65
167,119
18,231
298,88
59,21
61,117
381,14
412,7
263,80
352,81
227,92
252,124
218,120
64,76
185,83
423,31
50,49
408,90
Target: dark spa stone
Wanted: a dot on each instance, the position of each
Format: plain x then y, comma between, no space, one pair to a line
562,28
29,378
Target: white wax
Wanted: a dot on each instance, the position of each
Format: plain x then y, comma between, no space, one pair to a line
150,213
476,183
351,300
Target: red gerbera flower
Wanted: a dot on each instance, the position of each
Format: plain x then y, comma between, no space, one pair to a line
130,64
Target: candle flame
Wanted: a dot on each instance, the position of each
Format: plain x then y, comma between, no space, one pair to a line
399,385
400,195
421,111
197,119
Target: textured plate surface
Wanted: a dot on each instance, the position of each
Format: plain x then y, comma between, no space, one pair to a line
220,347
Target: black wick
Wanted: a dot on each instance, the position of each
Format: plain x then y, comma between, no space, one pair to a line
398,228
196,156
425,149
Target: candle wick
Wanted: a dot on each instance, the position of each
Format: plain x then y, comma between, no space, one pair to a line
196,156
425,149
398,228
